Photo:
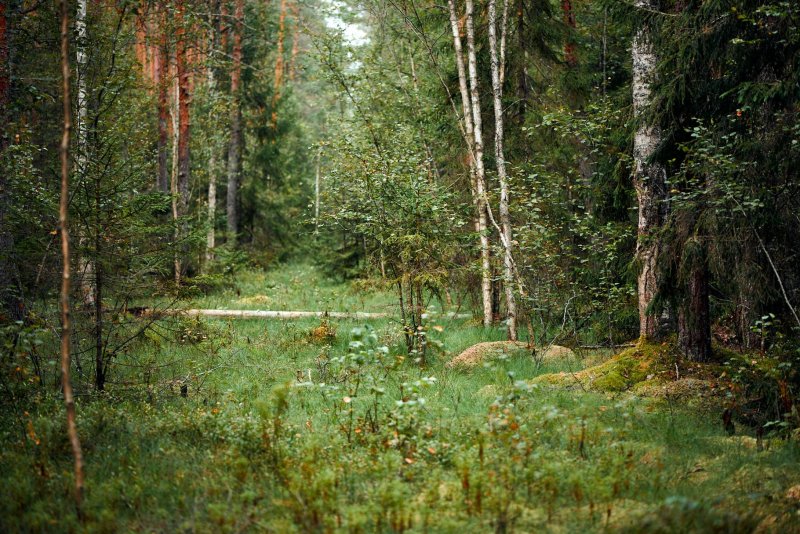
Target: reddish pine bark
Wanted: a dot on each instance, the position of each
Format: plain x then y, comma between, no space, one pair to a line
569,20
184,163
162,82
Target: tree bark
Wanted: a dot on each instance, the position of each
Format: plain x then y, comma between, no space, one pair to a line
174,104
163,84
211,214
63,220
505,215
694,322
235,146
86,266
278,82
480,173
184,161
295,42
569,20
648,176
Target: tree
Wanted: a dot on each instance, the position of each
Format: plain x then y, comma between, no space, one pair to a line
235,146
648,175
506,231
63,221
480,172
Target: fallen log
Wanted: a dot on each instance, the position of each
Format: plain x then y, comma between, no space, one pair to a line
280,314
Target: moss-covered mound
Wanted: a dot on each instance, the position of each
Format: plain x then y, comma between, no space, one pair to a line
648,369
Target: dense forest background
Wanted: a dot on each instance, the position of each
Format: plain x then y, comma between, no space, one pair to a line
582,172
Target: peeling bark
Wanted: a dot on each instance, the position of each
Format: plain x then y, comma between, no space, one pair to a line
480,172
505,215
648,177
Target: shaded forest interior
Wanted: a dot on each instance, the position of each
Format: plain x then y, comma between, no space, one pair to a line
397,265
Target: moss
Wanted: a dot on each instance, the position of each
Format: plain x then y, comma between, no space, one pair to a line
620,373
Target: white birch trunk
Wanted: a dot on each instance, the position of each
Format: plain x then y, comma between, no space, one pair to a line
648,177
480,173
211,236
316,190
505,216
85,266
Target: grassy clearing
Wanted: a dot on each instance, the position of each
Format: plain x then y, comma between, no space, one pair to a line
373,442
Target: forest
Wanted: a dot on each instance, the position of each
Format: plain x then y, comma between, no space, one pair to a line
400,266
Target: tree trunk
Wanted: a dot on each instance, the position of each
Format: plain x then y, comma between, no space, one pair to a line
480,173
295,42
316,189
648,176
66,328
163,84
235,146
174,177
211,214
694,323
505,215
523,87
276,95
569,21
86,267
184,161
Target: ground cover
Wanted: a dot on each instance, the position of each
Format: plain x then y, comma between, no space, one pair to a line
284,428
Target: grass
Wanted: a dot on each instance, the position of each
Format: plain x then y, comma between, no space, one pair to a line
256,446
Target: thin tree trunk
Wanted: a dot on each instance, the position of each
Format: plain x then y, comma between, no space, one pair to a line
480,173
648,176
235,146
212,163
316,189
86,266
163,83
523,87
295,42
278,84
505,215
66,328
174,177
184,161
569,20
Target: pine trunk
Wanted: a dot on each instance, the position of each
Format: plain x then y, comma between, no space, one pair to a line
184,161
235,146
278,83
162,84
648,176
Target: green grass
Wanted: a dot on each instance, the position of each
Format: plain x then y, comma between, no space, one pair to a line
250,449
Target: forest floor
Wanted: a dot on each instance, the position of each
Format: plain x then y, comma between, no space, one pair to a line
290,426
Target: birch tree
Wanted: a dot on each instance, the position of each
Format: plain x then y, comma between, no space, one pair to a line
480,172
507,233
648,176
